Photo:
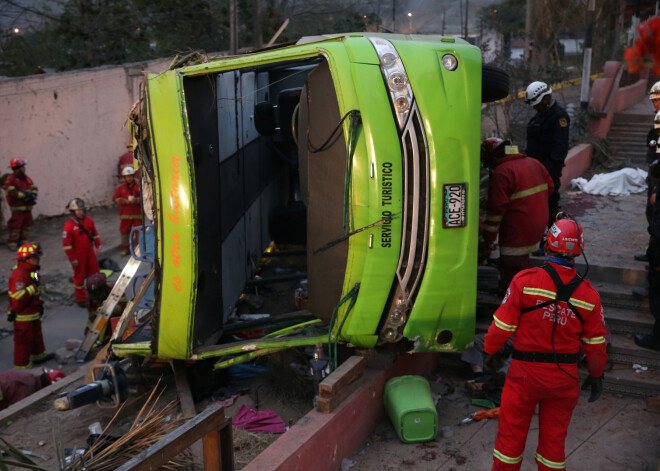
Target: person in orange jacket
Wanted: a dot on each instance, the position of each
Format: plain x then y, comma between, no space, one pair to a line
21,194
553,312
26,308
17,385
127,196
82,245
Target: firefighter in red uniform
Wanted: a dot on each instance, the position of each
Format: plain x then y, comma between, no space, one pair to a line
126,160
17,385
21,194
517,207
552,311
82,245
127,196
26,308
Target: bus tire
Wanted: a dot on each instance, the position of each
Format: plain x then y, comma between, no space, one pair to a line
494,83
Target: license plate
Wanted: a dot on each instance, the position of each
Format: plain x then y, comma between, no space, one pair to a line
454,205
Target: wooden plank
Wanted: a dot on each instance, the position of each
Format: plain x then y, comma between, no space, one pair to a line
211,419
15,409
347,373
327,405
187,404
101,357
219,448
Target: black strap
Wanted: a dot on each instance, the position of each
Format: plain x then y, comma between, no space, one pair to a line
564,292
91,239
545,357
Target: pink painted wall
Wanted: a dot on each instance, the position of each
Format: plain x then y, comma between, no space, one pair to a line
69,128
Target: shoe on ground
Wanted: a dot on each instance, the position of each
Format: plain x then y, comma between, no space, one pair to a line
123,253
81,303
647,341
641,292
641,257
49,356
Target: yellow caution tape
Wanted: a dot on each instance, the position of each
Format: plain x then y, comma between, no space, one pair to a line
555,86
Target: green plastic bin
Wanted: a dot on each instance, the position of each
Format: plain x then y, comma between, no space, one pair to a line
409,405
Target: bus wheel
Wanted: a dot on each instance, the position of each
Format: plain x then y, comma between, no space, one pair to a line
494,83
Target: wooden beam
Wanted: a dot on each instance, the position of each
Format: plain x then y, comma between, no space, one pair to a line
187,404
339,384
212,422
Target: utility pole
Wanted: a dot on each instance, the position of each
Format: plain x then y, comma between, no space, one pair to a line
233,27
466,20
257,38
528,29
586,67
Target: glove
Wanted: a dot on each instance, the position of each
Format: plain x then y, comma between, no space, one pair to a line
36,279
596,385
492,362
30,198
11,316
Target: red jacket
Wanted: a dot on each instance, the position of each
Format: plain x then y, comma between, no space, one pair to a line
24,292
517,204
74,240
16,187
533,329
128,210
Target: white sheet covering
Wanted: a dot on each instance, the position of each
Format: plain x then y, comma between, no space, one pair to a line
621,182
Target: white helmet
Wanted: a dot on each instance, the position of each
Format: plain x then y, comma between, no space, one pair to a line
535,93
128,171
656,120
655,91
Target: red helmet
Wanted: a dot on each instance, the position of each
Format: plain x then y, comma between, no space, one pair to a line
54,375
563,237
17,162
27,250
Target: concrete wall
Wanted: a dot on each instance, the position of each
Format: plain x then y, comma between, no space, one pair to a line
69,128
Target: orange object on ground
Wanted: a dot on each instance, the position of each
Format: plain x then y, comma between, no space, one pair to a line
486,414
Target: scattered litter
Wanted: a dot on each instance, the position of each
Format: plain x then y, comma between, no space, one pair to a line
639,368
258,421
447,431
622,182
483,403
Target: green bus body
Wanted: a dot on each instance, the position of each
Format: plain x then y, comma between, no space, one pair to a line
411,202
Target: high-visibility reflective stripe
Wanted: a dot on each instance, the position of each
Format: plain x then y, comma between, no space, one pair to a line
31,290
518,250
96,237
38,357
593,340
17,294
28,366
529,192
78,286
27,317
551,294
489,228
504,326
131,216
9,188
544,293
551,464
507,459
68,247
494,218
20,208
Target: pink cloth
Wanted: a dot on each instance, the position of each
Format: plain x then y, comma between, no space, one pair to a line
258,421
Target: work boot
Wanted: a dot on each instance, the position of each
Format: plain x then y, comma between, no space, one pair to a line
49,356
641,257
81,303
123,253
647,341
641,292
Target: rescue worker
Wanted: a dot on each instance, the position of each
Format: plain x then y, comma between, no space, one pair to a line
517,206
652,138
547,137
652,341
21,194
552,311
98,290
125,160
17,385
82,245
26,308
127,196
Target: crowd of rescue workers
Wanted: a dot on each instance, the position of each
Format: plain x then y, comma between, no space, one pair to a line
555,313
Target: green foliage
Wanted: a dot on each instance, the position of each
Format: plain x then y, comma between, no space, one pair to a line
90,33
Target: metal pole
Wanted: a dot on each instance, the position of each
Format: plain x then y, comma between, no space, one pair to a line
586,67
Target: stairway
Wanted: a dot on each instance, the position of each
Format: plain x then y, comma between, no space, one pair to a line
627,137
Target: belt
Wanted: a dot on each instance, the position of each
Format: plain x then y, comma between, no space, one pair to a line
545,357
